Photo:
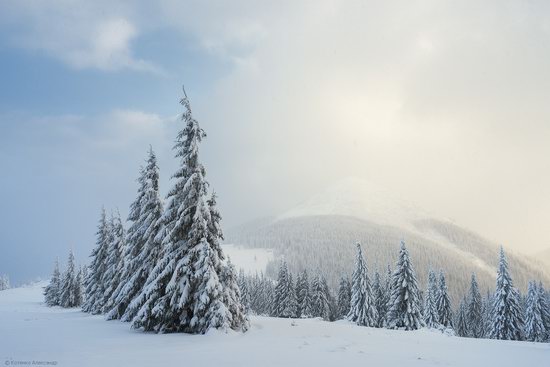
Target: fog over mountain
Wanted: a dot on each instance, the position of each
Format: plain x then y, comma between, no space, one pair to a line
321,232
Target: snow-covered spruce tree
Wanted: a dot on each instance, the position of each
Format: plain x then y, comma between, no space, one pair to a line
52,290
234,316
404,303
115,260
70,285
303,296
344,297
4,282
245,295
462,328
381,302
320,304
507,321
474,309
443,303
487,313
544,299
431,316
142,248
362,306
95,288
83,273
184,292
534,329
285,298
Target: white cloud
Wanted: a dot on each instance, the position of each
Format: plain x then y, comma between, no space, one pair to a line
81,34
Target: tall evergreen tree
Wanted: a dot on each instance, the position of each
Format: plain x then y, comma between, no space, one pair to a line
70,285
431,316
184,292
245,295
4,282
462,328
320,302
474,310
114,264
507,321
444,310
53,290
235,317
142,246
362,307
285,296
344,297
303,296
544,299
404,303
95,288
535,329
381,302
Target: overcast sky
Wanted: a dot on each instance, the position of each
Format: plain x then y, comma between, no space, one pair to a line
444,102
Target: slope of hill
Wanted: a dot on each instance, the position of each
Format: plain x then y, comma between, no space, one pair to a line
69,337
321,233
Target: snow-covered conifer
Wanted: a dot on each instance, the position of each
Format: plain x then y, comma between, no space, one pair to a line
70,285
544,299
303,295
320,303
474,309
142,245
431,316
443,303
53,290
285,297
235,316
461,328
4,282
535,329
507,321
344,297
381,301
362,307
95,289
245,295
184,292
404,303
114,263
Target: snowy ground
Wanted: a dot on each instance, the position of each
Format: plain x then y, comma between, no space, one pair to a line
29,331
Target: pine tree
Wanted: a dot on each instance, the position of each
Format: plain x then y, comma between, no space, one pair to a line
95,288
535,329
285,297
462,328
362,307
245,295
474,310
70,285
303,296
344,297
404,303
431,316
4,282
184,292
235,317
544,300
53,290
114,264
506,315
443,303
142,246
320,303
381,302
487,314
